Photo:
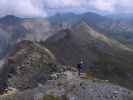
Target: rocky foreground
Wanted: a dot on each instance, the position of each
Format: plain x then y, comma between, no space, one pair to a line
68,86
31,72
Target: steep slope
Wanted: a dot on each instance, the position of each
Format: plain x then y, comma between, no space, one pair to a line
38,29
10,31
12,26
3,42
105,57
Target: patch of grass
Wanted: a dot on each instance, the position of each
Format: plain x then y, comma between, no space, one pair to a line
10,96
51,97
90,75
12,81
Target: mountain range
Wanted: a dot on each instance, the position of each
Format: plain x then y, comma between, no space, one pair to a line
38,50
14,29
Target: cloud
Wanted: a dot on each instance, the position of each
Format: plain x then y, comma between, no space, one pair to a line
63,3
26,8
124,6
113,6
37,8
103,5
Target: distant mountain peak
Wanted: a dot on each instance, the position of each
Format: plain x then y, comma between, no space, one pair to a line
7,16
10,19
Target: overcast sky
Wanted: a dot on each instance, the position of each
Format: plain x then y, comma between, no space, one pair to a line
43,8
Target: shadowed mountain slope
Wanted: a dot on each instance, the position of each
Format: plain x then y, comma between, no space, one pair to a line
105,57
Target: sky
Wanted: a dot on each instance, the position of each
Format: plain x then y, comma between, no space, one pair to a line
44,8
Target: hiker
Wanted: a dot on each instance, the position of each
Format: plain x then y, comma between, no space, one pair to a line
80,67
3,87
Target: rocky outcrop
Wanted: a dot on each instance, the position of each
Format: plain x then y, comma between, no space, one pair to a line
27,65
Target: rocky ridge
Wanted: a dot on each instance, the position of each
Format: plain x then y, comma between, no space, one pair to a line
70,87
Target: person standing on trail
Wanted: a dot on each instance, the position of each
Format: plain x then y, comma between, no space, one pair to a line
80,67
